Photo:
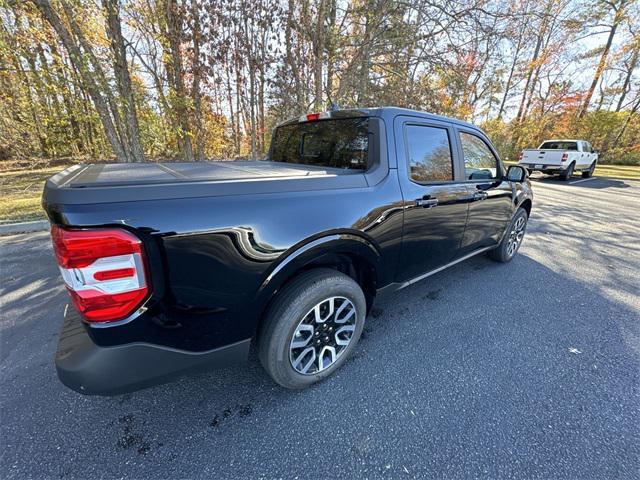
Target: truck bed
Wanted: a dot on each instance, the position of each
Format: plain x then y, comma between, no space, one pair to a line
117,182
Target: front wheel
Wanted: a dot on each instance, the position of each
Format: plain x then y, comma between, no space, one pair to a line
512,240
589,173
311,328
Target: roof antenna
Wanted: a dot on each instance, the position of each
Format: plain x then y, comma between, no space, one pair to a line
333,106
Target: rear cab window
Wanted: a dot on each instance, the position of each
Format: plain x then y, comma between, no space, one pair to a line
559,146
430,158
335,143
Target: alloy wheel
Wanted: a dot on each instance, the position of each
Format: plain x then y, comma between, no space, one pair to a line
322,335
516,235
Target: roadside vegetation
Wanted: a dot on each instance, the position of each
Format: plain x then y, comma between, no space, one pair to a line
132,80
620,172
21,192
141,80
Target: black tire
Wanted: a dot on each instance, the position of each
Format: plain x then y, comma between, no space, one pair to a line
589,173
289,310
568,173
503,253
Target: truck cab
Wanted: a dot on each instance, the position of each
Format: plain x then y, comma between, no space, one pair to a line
176,267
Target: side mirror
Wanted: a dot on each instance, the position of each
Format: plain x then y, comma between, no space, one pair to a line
516,173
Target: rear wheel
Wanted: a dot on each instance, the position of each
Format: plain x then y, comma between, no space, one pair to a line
512,239
589,173
568,173
311,328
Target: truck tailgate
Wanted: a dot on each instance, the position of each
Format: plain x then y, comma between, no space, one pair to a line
542,157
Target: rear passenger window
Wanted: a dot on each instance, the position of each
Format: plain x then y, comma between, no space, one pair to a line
429,151
479,161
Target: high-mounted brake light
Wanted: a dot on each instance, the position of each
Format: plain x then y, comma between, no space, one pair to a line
565,157
103,270
312,117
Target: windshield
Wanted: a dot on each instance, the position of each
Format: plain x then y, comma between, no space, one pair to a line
559,146
337,143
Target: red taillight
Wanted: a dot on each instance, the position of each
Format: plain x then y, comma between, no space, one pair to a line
312,117
520,156
565,157
103,270
96,306
113,274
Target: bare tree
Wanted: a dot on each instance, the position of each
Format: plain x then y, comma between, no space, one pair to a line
123,80
618,8
78,58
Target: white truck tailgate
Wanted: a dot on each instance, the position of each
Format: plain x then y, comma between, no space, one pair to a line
538,158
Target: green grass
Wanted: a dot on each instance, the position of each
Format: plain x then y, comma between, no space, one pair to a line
627,172
21,193
622,172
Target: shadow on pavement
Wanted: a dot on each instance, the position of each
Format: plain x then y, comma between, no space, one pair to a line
482,370
593,182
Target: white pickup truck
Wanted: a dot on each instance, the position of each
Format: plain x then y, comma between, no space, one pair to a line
561,157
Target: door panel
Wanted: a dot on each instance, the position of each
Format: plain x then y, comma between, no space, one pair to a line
491,207
435,206
488,215
432,234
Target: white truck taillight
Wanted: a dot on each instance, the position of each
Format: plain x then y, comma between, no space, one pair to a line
520,156
565,157
103,270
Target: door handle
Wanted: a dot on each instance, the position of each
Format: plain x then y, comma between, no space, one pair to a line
426,202
480,195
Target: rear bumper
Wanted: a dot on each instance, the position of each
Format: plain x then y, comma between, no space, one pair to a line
90,369
538,167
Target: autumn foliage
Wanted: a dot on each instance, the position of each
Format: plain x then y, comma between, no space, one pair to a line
135,80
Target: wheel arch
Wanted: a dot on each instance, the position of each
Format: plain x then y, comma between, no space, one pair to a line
526,204
349,253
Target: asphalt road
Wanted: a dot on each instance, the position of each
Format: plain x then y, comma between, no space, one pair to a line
524,370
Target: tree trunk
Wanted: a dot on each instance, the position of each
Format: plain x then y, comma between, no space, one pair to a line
633,111
365,61
175,74
249,42
261,123
67,98
196,93
318,53
602,64
331,50
530,71
123,79
45,8
507,87
291,61
101,78
627,81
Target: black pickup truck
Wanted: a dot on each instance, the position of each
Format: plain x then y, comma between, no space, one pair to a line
176,267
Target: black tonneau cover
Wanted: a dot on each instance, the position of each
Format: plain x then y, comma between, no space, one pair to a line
112,174
121,182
